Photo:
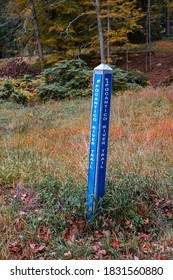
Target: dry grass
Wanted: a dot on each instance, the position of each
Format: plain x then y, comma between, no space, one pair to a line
50,142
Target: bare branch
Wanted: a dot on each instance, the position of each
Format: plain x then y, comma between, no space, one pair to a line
76,18
5,23
87,44
11,31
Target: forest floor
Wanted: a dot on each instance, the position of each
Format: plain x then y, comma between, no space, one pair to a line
161,62
161,66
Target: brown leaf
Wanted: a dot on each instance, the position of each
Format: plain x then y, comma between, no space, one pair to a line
127,222
144,236
94,248
44,233
168,214
114,243
24,196
15,247
36,248
70,234
106,233
98,234
32,245
40,248
101,253
146,221
68,255
21,213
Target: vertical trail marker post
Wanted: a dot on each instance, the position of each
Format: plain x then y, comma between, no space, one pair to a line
99,130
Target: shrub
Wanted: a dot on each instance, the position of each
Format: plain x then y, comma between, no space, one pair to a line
123,80
72,78
69,78
17,91
168,81
16,68
6,90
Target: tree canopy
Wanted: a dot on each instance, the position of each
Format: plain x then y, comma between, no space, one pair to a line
67,27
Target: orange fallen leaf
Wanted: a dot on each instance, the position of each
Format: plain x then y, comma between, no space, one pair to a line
168,214
98,234
114,243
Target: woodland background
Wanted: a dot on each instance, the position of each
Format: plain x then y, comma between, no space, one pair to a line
69,28
48,50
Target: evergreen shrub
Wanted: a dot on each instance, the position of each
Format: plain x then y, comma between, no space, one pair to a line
67,79
72,78
132,80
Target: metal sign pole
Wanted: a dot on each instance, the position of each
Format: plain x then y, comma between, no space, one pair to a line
100,115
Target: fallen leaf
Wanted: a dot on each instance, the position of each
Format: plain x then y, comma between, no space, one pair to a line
168,214
40,248
106,233
44,233
32,245
101,253
127,222
114,243
68,255
96,246
98,234
21,213
24,196
144,236
146,221
70,234
15,247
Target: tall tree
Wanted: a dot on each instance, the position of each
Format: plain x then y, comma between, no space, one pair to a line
122,19
148,36
26,11
108,32
169,10
8,26
37,32
100,31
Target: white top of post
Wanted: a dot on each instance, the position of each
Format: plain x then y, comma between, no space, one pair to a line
103,68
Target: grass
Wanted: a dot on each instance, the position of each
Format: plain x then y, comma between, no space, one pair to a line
43,180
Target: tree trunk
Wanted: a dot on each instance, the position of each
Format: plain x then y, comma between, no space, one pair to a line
127,60
108,32
168,22
37,33
100,30
148,37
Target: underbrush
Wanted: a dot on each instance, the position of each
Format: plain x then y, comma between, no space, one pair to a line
69,79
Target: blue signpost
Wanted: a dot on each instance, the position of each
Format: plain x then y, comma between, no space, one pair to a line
100,115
